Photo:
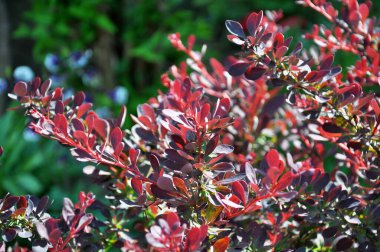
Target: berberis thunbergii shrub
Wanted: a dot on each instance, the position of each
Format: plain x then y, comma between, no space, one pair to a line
232,156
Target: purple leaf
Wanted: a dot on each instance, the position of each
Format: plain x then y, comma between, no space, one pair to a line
235,28
84,221
343,243
231,203
68,210
45,87
223,149
36,84
329,232
238,68
79,98
253,22
231,179
254,73
159,193
250,172
166,183
40,245
42,231
211,145
223,167
24,234
59,107
20,88
9,202
297,48
278,82
348,203
332,128
9,234
42,205
154,162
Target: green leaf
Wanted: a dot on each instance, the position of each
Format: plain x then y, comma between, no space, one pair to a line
29,183
105,23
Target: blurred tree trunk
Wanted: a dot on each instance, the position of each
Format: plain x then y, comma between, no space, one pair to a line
105,58
5,59
105,55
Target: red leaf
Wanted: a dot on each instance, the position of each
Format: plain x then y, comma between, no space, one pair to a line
272,158
278,40
81,137
284,181
190,42
231,202
82,109
90,122
327,62
22,203
280,52
221,245
119,148
273,173
133,156
121,118
116,137
57,94
204,112
331,130
222,107
77,124
238,190
146,109
102,127
194,237
180,185
364,11
60,123
137,185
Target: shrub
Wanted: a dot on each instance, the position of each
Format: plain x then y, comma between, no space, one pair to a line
230,157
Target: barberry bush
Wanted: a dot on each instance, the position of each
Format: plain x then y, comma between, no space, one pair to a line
230,157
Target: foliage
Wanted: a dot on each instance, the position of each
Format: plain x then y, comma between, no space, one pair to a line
232,158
